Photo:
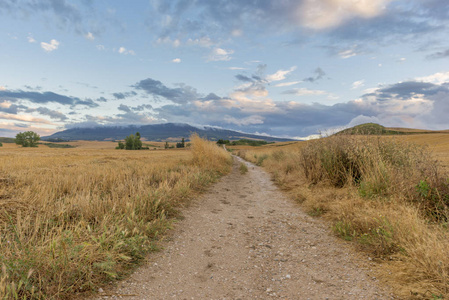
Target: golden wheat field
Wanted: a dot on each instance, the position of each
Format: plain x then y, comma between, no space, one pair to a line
388,195
73,219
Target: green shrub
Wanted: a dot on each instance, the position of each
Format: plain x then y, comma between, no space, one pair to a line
243,168
379,168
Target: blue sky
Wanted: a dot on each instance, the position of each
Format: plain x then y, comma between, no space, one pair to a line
284,68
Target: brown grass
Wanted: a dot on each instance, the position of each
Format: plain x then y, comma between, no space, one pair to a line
73,219
388,196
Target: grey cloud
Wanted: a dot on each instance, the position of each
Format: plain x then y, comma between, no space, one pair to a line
211,96
36,88
142,107
437,55
102,99
68,15
21,125
244,78
397,22
53,114
319,74
392,105
45,97
12,109
405,90
121,96
181,94
124,108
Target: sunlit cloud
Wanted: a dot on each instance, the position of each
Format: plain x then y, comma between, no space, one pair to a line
325,14
176,60
124,51
304,92
280,75
282,84
49,47
219,54
358,84
31,39
437,78
90,36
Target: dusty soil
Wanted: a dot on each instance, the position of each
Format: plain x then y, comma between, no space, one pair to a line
244,240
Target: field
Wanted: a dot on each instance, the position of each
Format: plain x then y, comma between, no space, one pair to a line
387,195
74,219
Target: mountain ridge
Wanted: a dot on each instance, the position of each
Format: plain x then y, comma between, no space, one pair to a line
155,132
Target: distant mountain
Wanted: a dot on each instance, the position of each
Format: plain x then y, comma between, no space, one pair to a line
156,132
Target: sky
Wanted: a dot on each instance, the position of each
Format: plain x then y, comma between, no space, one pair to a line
273,67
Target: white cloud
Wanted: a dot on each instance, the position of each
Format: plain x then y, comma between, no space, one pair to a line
304,92
204,41
100,47
175,43
237,32
280,75
90,36
219,54
437,78
176,60
53,45
331,13
287,83
2,88
31,39
236,68
250,120
124,51
357,84
347,53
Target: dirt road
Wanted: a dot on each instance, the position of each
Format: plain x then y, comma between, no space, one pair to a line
244,240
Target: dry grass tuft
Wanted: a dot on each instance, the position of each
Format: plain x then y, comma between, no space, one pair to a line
73,219
388,196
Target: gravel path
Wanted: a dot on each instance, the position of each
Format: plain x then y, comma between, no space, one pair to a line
244,240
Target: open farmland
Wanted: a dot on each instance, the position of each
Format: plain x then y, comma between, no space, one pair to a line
388,195
72,219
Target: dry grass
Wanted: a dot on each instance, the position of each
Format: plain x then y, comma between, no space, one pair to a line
388,196
73,219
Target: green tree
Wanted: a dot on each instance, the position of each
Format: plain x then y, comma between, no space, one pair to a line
120,146
180,145
166,145
27,139
133,142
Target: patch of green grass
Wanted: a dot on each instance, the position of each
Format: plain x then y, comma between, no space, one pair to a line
344,230
52,145
7,140
243,168
316,212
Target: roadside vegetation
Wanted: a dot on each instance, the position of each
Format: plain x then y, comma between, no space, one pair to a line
389,197
72,220
241,142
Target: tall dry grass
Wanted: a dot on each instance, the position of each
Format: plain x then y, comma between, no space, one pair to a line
73,219
389,197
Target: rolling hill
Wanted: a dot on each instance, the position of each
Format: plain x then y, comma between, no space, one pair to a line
376,129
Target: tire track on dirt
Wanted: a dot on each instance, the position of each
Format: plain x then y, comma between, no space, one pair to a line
244,240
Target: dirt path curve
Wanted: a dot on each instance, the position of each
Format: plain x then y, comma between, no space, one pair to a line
244,240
